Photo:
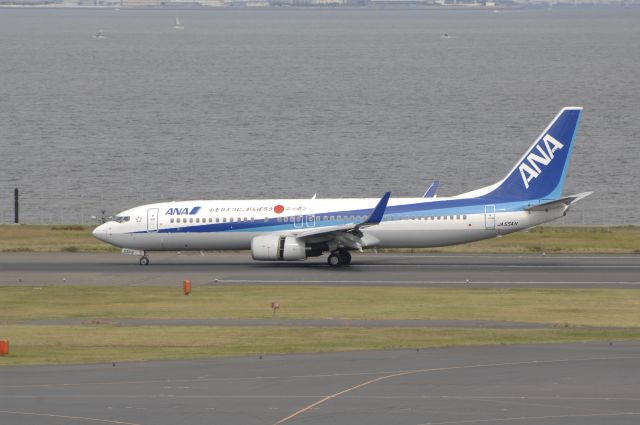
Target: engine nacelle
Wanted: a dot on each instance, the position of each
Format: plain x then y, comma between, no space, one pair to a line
276,247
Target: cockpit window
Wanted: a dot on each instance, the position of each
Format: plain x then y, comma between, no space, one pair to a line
121,219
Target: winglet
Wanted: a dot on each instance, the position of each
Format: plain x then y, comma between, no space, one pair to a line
433,190
378,211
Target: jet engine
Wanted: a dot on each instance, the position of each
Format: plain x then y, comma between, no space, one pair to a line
277,247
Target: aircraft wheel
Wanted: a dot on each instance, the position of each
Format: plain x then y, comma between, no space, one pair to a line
144,261
334,260
345,257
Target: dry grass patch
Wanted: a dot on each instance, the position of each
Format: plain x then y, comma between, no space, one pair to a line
618,239
69,238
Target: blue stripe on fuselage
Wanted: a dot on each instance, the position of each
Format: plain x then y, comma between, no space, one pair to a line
422,209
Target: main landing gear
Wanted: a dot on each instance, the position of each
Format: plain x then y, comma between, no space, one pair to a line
144,260
339,258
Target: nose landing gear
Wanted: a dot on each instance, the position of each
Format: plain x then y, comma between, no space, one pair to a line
339,258
144,260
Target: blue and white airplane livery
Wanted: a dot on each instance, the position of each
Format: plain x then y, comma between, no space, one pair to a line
295,229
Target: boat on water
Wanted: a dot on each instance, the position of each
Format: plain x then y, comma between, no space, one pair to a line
99,34
178,25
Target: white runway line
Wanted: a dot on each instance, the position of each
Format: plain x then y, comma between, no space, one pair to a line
424,282
75,418
533,418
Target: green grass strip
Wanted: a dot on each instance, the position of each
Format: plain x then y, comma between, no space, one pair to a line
564,307
32,344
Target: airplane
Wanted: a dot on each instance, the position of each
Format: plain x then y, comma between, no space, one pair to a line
296,229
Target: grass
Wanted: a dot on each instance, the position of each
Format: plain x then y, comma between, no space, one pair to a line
105,343
69,238
94,341
622,239
562,307
619,239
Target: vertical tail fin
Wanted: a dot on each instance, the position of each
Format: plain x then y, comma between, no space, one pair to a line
541,172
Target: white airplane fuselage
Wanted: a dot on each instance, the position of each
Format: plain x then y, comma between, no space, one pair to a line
229,224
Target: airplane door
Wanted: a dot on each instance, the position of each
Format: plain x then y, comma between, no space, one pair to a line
152,220
298,221
490,217
311,221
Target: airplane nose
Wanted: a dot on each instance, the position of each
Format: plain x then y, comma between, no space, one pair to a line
100,232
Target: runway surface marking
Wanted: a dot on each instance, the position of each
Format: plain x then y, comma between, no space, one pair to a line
521,401
425,282
76,418
318,375
582,257
531,418
210,378
440,369
509,266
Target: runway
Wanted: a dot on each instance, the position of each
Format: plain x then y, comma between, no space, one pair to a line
545,384
589,383
419,270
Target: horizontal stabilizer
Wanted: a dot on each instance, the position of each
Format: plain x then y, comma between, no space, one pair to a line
566,201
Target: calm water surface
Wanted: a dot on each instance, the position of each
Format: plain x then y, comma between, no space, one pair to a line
288,103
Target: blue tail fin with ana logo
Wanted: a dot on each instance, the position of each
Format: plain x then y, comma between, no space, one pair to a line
541,172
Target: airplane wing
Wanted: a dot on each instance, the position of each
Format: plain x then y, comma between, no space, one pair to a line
566,201
348,234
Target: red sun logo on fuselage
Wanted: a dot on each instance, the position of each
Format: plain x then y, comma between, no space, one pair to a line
278,209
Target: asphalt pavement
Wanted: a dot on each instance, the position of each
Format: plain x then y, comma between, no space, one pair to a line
369,269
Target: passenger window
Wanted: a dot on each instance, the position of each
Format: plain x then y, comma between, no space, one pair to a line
171,220
197,220
464,216
224,219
